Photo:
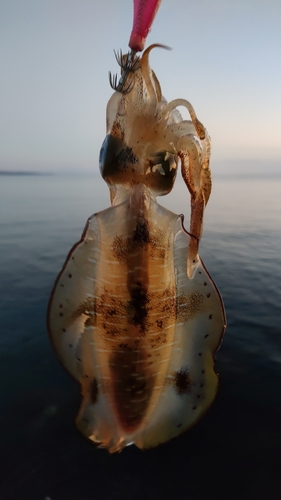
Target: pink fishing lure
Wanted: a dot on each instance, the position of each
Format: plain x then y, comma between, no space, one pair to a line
144,14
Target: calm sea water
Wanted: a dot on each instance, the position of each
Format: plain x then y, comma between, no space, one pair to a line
235,451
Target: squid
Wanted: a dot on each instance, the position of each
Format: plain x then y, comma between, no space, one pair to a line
134,316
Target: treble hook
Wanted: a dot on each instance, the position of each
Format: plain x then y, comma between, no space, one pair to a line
128,64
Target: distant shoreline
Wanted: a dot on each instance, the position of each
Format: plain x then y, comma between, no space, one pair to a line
26,172
216,174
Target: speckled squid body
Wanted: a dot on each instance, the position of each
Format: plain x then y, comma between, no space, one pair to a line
134,315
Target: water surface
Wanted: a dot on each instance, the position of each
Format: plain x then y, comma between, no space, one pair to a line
234,452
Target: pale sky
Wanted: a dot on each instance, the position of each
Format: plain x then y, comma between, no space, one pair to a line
55,56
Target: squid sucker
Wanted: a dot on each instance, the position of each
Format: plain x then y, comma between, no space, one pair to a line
134,316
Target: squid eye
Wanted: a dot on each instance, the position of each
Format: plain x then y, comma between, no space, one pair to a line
161,172
116,160
110,149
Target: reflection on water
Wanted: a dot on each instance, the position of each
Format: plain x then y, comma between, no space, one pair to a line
235,450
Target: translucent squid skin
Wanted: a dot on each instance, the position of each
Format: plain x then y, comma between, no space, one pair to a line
134,316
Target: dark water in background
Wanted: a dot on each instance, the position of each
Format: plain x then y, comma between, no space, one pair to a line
235,451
